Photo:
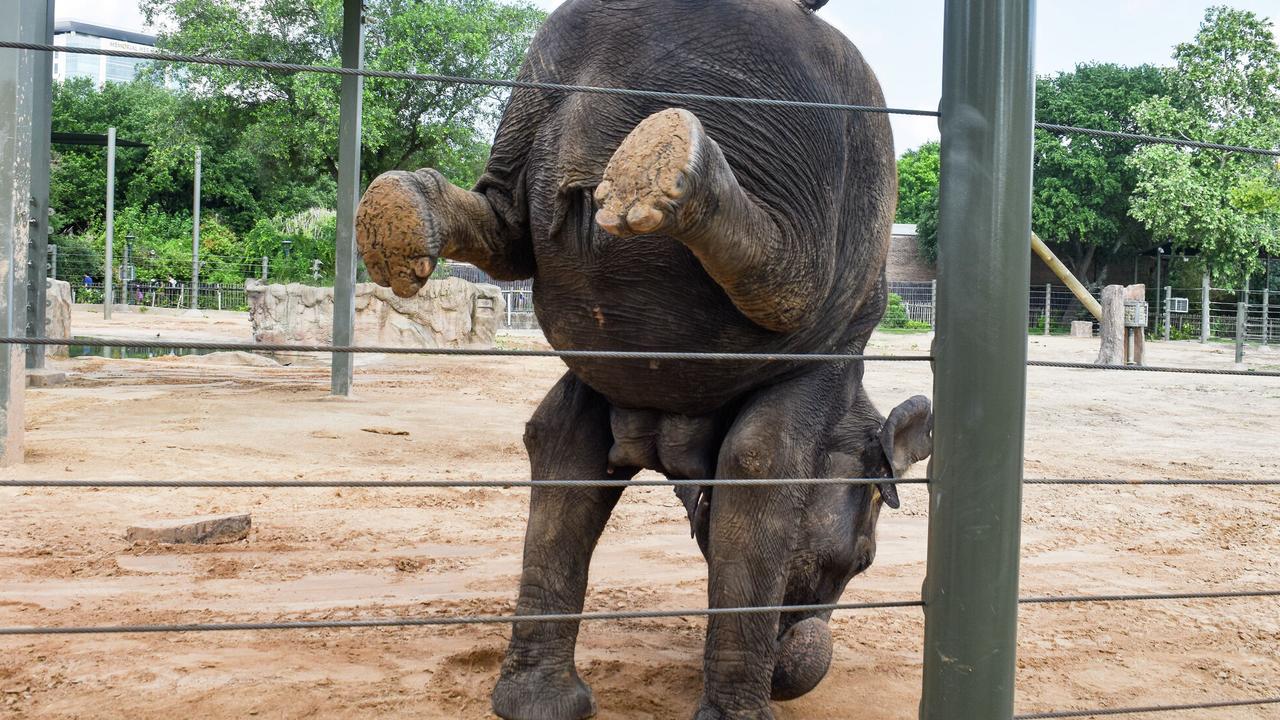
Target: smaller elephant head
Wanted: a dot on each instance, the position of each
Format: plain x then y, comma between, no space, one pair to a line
837,531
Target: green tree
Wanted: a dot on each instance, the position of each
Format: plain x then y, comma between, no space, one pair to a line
1080,200
139,111
286,125
917,181
1225,89
1080,196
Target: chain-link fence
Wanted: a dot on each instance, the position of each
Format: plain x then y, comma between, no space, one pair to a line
143,280
1174,313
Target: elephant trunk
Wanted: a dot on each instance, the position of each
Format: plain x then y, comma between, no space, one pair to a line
804,655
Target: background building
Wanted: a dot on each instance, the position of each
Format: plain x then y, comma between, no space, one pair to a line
73,33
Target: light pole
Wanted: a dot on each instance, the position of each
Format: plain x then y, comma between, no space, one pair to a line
124,268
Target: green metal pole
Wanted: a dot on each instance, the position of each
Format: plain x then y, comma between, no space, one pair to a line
37,22
17,70
109,260
344,280
971,587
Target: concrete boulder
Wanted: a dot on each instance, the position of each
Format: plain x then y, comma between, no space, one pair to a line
449,313
57,315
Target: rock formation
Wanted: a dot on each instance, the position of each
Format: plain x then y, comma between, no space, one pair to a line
449,313
57,315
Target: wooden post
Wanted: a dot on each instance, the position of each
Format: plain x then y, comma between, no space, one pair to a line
1138,333
1045,254
1112,326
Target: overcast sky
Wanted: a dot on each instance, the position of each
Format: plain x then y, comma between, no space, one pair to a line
903,38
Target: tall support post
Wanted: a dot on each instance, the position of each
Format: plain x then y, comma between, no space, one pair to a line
124,270
975,503
1204,307
16,73
265,260
195,239
1168,303
1242,316
1266,314
37,26
1048,306
344,278
109,261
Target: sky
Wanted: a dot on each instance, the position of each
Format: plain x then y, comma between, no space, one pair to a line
902,39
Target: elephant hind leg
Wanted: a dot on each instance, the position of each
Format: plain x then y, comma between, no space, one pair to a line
568,438
669,177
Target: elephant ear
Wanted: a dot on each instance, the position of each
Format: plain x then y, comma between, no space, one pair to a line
906,438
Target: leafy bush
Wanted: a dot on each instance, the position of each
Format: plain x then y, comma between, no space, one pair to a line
895,316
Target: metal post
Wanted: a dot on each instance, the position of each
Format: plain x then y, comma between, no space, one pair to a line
124,271
1159,259
37,26
111,223
1266,315
1048,306
971,585
53,262
195,240
1168,303
1204,307
344,278
1241,316
16,73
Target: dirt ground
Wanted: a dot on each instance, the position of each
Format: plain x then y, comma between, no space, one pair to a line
360,553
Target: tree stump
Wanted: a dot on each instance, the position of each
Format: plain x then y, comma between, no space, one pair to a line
1112,326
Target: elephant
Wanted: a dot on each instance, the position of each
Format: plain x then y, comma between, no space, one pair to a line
706,226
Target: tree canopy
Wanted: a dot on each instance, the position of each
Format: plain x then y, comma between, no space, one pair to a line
269,140
1080,196
917,181
1225,88
1099,200
1083,184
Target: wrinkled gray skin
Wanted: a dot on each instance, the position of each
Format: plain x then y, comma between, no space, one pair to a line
714,227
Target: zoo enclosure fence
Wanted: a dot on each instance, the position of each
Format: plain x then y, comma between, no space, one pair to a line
970,594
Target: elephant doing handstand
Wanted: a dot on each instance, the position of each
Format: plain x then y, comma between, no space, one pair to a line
715,227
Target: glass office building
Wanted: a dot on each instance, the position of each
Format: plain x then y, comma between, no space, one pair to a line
72,33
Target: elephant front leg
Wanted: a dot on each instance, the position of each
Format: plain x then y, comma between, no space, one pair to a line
408,220
567,439
752,535
669,177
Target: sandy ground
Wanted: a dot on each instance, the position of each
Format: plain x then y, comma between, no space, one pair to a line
385,552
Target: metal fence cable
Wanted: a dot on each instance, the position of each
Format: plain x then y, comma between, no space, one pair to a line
503,484
1143,597
1099,712
495,484
570,617
386,350
592,354
453,620
460,80
1155,139
566,88
1153,482
1151,369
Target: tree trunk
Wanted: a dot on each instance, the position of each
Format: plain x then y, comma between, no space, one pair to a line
1112,326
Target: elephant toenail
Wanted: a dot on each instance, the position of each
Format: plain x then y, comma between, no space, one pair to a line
644,218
